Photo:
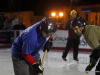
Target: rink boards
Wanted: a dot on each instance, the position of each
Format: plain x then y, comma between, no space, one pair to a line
60,39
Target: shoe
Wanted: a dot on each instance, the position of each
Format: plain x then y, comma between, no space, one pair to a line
64,59
76,59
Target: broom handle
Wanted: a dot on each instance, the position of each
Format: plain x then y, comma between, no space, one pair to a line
43,60
86,73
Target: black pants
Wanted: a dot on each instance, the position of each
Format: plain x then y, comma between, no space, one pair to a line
98,68
21,67
72,43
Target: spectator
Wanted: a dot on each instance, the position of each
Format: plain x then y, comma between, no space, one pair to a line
1,24
2,18
20,26
6,19
7,26
60,26
91,22
14,20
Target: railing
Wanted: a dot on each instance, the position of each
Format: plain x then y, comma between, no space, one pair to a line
8,36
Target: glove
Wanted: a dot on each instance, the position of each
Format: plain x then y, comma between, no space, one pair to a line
47,46
50,39
91,65
37,66
95,55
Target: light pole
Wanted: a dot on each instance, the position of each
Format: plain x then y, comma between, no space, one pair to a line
71,5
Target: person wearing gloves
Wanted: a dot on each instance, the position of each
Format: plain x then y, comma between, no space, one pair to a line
91,34
73,39
25,48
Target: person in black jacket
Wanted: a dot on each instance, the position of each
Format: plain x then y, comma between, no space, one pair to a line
73,39
20,26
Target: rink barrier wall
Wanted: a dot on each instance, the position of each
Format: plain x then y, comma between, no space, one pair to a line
7,37
59,39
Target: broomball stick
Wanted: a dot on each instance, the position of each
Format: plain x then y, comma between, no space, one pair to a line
86,73
94,71
43,60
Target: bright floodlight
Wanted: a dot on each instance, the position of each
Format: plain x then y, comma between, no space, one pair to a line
53,14
60,14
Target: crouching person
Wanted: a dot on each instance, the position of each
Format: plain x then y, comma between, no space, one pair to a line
25,48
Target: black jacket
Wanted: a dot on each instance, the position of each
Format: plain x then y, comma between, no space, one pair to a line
71,34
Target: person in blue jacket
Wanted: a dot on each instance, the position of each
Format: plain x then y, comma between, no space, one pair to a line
25,48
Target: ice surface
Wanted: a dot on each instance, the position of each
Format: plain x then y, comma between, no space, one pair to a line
53,64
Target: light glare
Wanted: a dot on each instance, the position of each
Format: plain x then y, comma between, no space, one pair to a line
60,14
53,14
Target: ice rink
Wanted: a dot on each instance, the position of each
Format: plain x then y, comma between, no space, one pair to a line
53,64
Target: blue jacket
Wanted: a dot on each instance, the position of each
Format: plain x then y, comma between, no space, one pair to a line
30,41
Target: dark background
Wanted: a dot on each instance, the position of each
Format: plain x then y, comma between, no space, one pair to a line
39,6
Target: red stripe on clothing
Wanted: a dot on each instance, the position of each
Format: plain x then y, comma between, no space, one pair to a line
28,58
51,36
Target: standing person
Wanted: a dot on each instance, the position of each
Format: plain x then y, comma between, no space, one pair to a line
25,48
19,26
14,20
72,40
91,34
7,26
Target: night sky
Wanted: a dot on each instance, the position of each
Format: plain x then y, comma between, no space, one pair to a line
39,6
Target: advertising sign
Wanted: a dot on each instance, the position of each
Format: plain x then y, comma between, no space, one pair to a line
60,40
5,37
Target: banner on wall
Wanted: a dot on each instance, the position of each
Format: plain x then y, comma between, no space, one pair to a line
5,37
60,40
